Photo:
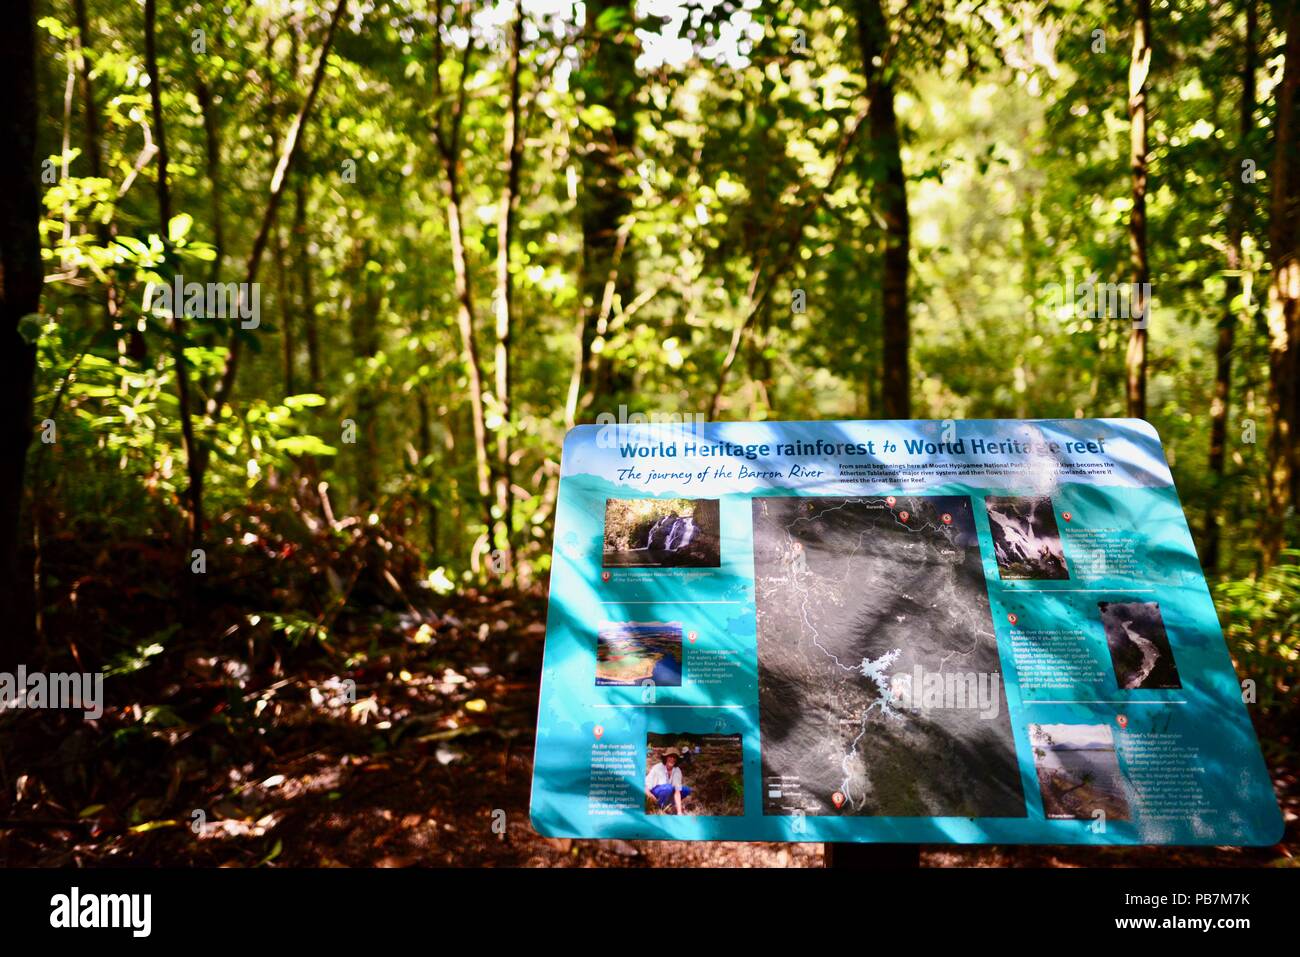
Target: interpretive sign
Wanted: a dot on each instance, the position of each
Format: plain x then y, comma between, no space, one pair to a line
920,631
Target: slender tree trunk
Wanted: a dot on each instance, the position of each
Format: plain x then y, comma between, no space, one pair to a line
21,279
89,106
1229,318
94,155
875,46
761,372
272,103
288,154
506,216
1284,295
212,145
424,435
159,126
446,133
193,462
306,299
1139,69
1029,256
364,322
465,323
607,79
288,340
65,154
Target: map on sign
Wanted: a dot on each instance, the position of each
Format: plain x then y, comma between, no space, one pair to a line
876,589
991,631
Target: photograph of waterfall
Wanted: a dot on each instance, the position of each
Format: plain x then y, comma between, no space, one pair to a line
661,533
1026,540
1139,645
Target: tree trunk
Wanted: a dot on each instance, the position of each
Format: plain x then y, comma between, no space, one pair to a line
212,144
21,279
94,155
1283,295
429,502
874,43
287,156
364,324
506,216
193,461
446,133
469,343
306,299
284,304
608,79
90,108
287,338
1229,318
1139,68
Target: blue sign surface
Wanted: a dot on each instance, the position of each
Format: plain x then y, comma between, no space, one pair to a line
922,631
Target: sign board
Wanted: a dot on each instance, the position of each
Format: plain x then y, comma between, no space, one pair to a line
909,631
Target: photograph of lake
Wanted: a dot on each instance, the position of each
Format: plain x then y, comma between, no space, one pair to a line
633,652
1078,771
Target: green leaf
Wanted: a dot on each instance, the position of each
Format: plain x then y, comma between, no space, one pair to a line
275,852
179,227
153,826
611,19
53,27
134,245
597,117
305,445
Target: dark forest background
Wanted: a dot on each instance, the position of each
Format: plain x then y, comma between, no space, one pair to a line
310,554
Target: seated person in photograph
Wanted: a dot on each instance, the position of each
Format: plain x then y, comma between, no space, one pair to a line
664,782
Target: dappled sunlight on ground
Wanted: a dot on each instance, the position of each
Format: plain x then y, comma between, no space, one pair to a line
410,746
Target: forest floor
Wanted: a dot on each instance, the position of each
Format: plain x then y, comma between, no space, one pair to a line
238,757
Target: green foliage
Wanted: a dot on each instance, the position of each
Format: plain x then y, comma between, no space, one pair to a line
1262,622
713,169
294,629
135,659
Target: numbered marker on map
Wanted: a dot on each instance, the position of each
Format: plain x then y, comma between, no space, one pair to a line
947,519
1121,720
838,798
604,576
902,516
1012,618
598,731
691,636
1066,516
890,500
